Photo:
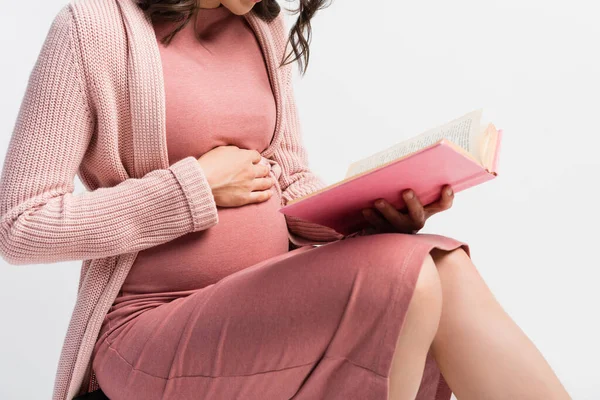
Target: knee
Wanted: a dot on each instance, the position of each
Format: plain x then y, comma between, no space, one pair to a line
454,257
455,268
427,296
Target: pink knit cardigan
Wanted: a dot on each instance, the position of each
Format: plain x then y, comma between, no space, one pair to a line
95,107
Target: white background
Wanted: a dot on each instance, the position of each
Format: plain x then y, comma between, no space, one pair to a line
381,72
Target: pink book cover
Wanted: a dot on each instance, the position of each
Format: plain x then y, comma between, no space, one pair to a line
339,206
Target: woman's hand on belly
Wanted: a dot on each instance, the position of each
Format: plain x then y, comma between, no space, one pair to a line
236,176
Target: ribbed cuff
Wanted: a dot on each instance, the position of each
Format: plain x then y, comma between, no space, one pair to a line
303,233
199,195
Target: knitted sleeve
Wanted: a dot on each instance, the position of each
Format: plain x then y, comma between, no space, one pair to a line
43,221
297,179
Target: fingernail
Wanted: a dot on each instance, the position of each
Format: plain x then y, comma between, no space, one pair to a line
449,191
409,194
379,204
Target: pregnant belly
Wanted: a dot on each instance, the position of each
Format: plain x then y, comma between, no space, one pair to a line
243,237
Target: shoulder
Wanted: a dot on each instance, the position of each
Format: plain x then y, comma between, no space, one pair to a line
97,29
95,17
94,31
279,30
94,8
92,23
92,12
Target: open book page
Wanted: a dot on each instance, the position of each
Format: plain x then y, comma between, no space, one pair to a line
465,132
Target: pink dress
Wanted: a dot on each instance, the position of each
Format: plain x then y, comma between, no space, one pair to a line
252,320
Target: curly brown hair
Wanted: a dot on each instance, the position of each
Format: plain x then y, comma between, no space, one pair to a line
183,10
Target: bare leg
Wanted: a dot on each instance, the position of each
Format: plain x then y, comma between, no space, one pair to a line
481,352
419,328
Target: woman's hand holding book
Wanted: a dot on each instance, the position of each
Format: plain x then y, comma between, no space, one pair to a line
385,218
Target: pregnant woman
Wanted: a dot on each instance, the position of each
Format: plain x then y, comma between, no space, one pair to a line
179,118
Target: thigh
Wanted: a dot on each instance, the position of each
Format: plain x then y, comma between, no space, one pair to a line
343,300
275,314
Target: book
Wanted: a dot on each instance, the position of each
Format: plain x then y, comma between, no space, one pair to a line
462,153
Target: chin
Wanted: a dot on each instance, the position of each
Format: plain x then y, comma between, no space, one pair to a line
239,7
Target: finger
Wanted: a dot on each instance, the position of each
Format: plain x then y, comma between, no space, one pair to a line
401,222
374,219
415,209
262,183
259,196
255,156
261,170
444,203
